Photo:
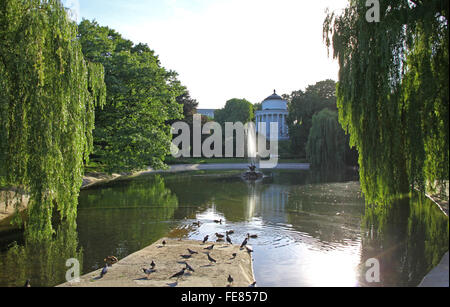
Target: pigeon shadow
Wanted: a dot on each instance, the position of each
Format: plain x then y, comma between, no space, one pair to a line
96,278
173,285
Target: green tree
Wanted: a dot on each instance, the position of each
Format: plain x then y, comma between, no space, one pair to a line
236,110
47,97
303,106
393,94
189,104
132,130
327,143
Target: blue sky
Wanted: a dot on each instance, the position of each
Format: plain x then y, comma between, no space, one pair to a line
225,49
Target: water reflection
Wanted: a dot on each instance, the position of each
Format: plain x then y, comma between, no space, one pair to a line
123,218
408,236
43,263
313,229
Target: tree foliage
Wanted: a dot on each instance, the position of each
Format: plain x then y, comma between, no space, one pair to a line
189,104
236,110
132,131
47,98
393,92
327,143
303,106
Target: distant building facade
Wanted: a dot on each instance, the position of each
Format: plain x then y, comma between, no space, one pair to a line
274,110
206,112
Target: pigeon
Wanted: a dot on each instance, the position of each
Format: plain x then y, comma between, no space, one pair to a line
191,252
230,279
179,274
188,267
210,247
205,239
230,232
111,260
220,236
252,236
104,271
253,285
27,284
229,240
164,243
148,272
153,265
244,243
210,258
186,256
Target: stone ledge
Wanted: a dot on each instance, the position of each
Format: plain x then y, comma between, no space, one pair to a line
128,271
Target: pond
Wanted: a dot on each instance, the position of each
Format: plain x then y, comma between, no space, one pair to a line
313,230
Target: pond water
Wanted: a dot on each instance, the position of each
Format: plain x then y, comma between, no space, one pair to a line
313,230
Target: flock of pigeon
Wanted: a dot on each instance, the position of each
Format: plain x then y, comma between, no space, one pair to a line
220,238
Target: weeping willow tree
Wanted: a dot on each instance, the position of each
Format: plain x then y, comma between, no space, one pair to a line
47,97
327,143
393,94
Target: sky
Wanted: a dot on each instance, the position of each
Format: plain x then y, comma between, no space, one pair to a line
224,49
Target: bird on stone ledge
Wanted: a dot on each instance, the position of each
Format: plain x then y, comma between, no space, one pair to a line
188,267
244,243
179,274
104,271
212,260
148,272
230,279
209,247
192,252
111,260
205,239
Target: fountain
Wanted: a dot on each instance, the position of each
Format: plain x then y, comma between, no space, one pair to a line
252,174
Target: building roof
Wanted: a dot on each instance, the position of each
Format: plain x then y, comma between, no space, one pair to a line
274,96
274,102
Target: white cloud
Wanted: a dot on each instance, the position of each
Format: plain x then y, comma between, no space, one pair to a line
241,48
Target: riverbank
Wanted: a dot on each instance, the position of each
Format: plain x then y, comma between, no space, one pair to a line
128,272
439,276
94,180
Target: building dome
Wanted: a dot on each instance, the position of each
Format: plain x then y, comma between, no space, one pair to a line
274,96
274,102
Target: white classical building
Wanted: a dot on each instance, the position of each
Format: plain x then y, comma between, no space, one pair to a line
274,110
